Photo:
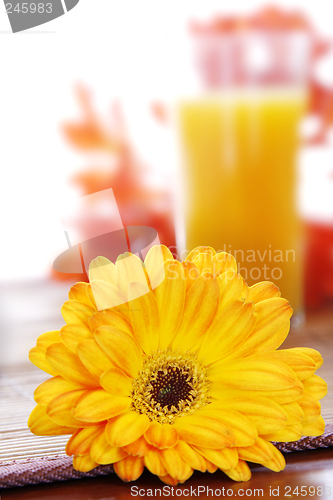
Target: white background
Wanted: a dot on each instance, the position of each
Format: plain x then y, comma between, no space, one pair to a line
136,50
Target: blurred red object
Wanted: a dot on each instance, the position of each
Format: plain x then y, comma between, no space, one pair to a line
138,203
321,105
319,265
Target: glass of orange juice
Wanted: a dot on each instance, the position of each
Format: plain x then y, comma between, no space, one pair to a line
240,141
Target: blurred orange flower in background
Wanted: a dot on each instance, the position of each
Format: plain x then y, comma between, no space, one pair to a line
139,204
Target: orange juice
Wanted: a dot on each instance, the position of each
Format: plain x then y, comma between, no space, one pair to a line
239,155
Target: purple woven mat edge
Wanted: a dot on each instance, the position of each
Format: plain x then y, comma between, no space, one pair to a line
50,469
44,470
309,443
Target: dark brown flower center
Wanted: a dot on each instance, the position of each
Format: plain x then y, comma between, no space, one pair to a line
172,387
171,384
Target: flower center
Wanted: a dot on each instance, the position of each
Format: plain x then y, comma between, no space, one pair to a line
170,385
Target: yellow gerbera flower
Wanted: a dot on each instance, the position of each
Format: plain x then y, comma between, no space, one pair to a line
181,374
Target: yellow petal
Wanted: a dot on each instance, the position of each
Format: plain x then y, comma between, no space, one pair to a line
129,269
204,291
272,326
170,481
75,312
229,329
315,386
204,431
285,395
60,408
37,354
245,291
311,408
52,388
277,462
240,473
123,310
210,467
120,348
216,264
93,358
259,452
262,291
289,434
40,424
99,405
139,448
110,318
224,459
144,316
312,353
69,366
155,258
170,299
161,436
191,456
102,453
129,468
244,430
198,250
232,287
174,464
191,273
116,382
126,428
47,339
91,296
315,428
220,391
204,262
106,295
224,261
84,463
79,293
253,373
154,464
37,357
72,335
81,441
266,415
102,269
294,413
301,364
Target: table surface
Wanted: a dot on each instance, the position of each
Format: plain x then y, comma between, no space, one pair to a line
306,468
312,470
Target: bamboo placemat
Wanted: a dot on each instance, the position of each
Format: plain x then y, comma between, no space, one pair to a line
28,459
